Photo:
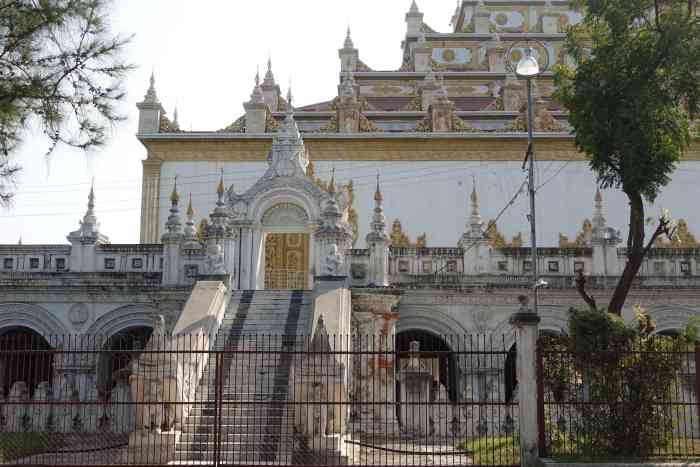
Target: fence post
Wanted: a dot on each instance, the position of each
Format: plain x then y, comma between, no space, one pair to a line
697,377
527,332
540,402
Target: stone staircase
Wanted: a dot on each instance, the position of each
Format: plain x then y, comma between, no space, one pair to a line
257,426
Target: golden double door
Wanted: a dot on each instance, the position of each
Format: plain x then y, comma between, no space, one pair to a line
286,261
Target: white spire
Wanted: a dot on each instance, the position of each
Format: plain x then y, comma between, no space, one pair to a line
191,241
475,217
89,230
598,216
378,225
348,41
174,224
257,97
151,97
269,77
414,7
175,122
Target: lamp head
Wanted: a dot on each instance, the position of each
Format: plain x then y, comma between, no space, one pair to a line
527,66
541,283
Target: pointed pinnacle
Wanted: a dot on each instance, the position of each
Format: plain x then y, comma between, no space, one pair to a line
331,185
190,210
174,196
378,192
220,189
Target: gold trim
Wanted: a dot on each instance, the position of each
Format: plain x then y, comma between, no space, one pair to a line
375,149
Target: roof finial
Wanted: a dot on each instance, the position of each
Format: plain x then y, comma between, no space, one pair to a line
269,77
20,240
378,193
151,96
220,189
348,41
174,196
290,99
175,122
414,7
331,184
598,199
91,198
190,210
257,76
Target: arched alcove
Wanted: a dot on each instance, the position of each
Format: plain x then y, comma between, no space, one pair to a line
437,355
120,350
25,355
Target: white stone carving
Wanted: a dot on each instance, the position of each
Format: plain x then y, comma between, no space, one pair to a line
79,315
334,261
121,416
41,414
91,413
17,419
215,259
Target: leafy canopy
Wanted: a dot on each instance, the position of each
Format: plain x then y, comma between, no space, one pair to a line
635,89
60,69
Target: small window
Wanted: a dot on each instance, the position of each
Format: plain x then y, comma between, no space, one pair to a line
685,267
137,263
110,263
659,268
428,266
578,266
403,266
527,266
503,266
553,266
60,264
452,266
8,263
191,270
33,263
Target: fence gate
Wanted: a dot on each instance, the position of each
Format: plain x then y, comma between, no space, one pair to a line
418,399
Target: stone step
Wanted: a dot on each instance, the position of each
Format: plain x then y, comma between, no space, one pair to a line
239,427
245,458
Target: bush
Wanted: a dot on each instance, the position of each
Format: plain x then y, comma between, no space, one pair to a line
624,374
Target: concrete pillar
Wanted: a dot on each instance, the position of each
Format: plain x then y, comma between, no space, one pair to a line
246,268
527,323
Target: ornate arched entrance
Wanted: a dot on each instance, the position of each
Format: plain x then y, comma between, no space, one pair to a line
287,247
437,355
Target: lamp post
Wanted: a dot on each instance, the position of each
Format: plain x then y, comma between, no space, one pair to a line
528,67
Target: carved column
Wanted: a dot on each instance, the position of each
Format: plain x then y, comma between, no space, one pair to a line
374,380
150,209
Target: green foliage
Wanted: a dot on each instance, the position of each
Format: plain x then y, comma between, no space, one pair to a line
503,450
15,446
631,99
60,69
634,90
625,374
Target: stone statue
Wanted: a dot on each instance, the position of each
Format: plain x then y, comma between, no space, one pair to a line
121,415
442,413
90,414
41,413
215,259
17,413
333,261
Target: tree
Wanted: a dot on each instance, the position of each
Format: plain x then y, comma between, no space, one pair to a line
631,99
60,69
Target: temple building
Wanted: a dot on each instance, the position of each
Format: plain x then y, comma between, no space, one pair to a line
341,217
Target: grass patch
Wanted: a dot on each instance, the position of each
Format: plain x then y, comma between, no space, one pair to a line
686,449
15,446
502,450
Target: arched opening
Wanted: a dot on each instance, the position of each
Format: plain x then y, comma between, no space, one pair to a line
286,247
436,354
115,363
18,365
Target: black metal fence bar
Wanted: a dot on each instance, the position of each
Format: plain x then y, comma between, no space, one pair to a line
141,399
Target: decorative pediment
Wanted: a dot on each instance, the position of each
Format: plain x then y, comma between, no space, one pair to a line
285,214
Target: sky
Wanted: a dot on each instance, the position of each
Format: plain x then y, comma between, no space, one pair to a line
204,54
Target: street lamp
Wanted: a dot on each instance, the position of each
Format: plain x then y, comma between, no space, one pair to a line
528,67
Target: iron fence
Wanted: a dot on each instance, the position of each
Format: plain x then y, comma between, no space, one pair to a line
136,399
622,400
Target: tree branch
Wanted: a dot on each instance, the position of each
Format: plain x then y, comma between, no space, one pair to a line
581,289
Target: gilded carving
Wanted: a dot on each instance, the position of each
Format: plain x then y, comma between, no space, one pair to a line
582,238
286,260
236,127
682,238
400,240
497,240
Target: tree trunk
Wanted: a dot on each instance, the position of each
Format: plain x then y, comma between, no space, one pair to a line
635,254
